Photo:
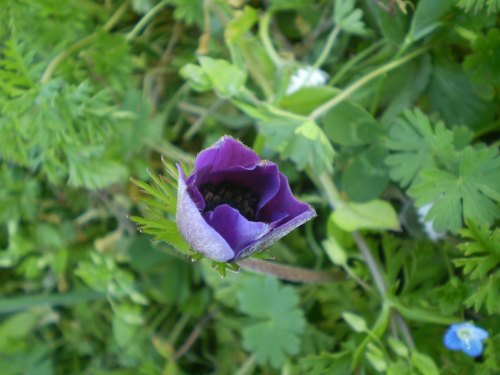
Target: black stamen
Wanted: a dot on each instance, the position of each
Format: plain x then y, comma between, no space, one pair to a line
237,196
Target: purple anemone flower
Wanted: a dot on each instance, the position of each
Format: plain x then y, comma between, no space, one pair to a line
235,204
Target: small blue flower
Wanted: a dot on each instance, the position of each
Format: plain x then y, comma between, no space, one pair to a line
465,337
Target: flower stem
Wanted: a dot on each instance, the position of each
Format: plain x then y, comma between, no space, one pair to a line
371,263
361,82
328,47
266,40
144,20
334,200
289,273
49,71
354,61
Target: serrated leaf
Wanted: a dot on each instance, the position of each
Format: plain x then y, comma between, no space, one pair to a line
276,335
427,17
197,78
348,18
376,214
483,64
453,96
160,200
309,146
226,78
424,363
472,193
476,6
416,145
326,363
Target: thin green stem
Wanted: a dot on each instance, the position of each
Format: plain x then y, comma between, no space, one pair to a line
335,201
363,81
332,195
289,273
328,47
47,74
378,278
247,366
283,113
201,120
264,24
49,71
146,19
354,61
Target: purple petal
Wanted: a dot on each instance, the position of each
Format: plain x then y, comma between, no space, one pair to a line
234,228
226,153
284,206
195,230
275,234
263,179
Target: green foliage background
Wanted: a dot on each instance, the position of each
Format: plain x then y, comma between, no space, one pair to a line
93,92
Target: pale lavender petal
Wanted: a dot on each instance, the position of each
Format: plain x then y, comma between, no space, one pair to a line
226,153
194,229
275,234
234,227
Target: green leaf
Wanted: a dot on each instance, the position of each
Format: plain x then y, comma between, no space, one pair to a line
398,347
367,176
86,169
483,64
307,99
348,18
188,11
472,193
393,25
280,322
326,363
197,78
424,364
349,124
376,214
241,24
427,17
416,145
356,322
226,78
480,263
376,357
309,145
482,250
409,88
335,251
453,96
492,6
160,200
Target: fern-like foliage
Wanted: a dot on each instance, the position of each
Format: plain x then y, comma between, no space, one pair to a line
481,264
491,6
160,202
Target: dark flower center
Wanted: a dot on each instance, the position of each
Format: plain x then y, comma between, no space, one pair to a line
226,192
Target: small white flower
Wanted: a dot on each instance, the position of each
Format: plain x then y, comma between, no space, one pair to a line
306,77
428,225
